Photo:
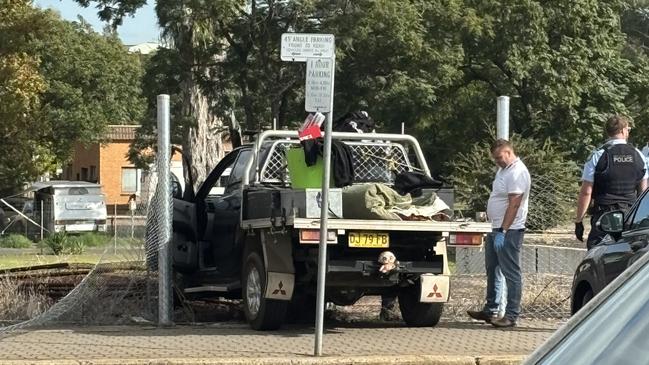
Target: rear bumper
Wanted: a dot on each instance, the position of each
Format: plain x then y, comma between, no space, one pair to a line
367,267
80,227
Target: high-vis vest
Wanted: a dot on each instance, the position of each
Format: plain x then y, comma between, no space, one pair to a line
617,175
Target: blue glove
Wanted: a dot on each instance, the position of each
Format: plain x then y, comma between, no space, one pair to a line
499,240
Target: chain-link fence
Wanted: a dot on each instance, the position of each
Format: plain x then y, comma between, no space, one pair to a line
549,258
86,271
111,277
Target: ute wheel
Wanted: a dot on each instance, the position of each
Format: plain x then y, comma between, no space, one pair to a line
588,295
262,314
415,313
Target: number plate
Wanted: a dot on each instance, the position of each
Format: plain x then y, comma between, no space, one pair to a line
368,239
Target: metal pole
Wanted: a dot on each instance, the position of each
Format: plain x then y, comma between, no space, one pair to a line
274,123
502,118
164,193
403,128
41,204
41,244
132,224
324,214
502,132
115,228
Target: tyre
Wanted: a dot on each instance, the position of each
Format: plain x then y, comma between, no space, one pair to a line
586,298
262,314
415,313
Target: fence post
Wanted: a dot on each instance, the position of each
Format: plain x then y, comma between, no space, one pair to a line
164,193
42,234
115,228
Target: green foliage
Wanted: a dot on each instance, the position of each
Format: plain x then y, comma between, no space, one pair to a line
56,242
15,241
92,82
554,180
63,243
60,83
21,156
91,239
74,246
435,66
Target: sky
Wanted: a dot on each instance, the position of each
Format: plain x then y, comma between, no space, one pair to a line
142,28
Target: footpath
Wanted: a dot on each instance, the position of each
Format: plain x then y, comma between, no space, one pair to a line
233,343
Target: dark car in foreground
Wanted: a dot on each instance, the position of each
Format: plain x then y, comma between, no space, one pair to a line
628,235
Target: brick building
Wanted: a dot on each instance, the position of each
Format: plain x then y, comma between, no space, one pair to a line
108,165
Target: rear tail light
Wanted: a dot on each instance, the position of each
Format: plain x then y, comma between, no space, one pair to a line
466,239
312,236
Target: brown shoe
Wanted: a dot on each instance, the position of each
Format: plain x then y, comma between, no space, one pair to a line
482,316
503,322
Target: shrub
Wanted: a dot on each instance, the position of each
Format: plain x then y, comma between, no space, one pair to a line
554,180
56,242
15,241
74,246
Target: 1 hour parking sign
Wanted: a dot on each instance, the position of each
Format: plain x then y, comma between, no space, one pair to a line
319,77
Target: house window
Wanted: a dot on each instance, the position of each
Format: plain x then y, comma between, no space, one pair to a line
84,174
130,180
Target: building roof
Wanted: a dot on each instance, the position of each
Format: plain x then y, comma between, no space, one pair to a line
121,132
143,48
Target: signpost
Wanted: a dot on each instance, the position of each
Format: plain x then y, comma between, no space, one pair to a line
318,51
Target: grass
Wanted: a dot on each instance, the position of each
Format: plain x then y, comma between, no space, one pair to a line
31,257
12,261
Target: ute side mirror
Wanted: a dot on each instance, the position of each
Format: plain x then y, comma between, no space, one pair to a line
176,189
612,223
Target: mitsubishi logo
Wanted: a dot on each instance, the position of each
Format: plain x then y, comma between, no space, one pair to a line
435,293
281,290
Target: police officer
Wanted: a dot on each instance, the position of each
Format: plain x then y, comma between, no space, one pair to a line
613,176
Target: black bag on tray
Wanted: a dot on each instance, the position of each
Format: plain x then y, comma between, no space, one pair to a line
411,182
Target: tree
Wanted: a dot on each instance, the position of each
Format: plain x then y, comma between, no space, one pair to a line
562,61
60,83
92,81
435,66
20,87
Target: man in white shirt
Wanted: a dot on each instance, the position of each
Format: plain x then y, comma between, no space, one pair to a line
507,209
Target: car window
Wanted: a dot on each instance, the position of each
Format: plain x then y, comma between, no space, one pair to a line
641,216
236,175
221,183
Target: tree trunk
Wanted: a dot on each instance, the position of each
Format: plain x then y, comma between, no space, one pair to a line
202,141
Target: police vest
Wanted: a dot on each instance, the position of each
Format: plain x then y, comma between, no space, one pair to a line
617,175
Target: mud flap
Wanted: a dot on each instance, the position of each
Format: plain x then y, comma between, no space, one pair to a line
279,286
434,288
278,260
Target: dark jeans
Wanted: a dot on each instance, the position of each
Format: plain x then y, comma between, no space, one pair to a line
509,260
595,235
